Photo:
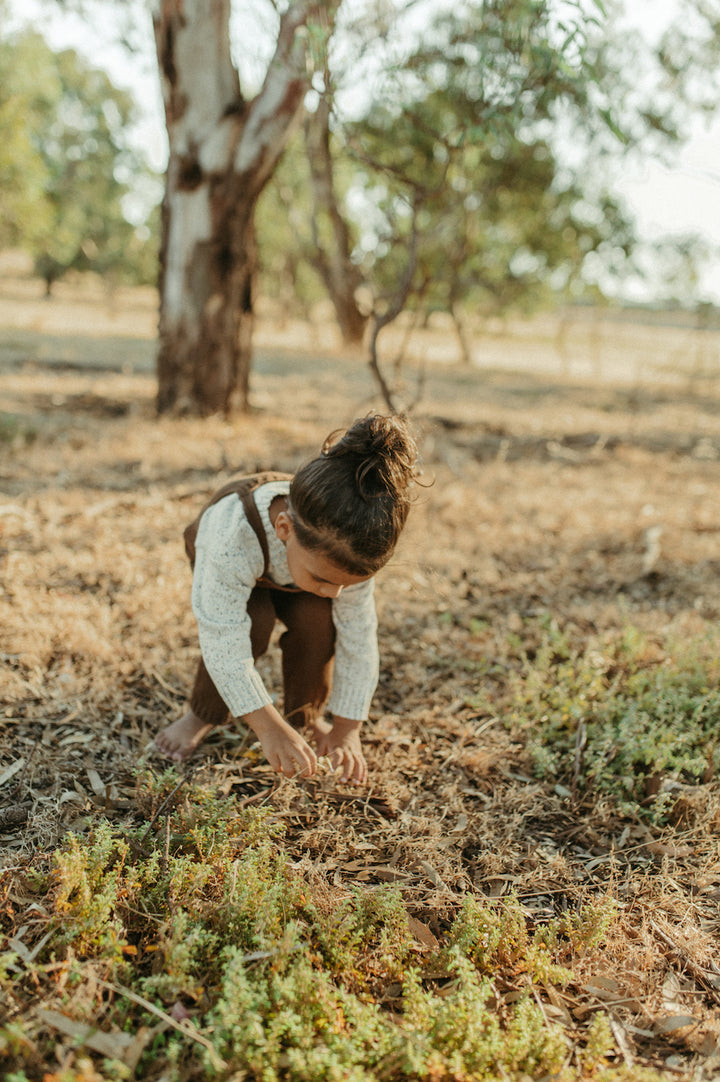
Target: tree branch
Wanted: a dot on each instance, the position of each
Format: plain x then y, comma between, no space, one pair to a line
395,307
273,112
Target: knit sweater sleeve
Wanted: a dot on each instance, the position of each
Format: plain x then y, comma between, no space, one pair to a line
228,563
356,651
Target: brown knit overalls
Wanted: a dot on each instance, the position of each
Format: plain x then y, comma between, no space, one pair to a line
308,644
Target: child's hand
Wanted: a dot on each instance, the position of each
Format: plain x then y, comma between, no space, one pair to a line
342,745
284,748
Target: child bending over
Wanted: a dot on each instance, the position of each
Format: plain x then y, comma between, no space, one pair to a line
301,549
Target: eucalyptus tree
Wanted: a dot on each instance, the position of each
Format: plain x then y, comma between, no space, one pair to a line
67,169
485,161
463,198
224,147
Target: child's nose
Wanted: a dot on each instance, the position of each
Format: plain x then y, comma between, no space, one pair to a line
332,591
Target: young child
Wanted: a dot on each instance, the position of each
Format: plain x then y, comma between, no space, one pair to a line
302,549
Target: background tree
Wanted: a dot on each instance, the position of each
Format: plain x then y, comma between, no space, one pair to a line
25,213
455,159
286,249
307,239
68,170
224,147
333,233
489,154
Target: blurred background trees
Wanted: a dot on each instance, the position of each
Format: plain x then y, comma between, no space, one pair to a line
428,157
71,184
476,175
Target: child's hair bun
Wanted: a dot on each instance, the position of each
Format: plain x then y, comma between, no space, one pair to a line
384,454
351,502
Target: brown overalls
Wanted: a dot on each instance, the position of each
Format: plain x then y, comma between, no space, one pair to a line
308,644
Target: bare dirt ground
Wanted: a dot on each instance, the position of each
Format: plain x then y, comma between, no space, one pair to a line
557,492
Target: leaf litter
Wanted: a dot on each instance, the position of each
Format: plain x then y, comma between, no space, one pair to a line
98,650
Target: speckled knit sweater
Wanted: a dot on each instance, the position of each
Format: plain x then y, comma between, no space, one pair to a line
228,564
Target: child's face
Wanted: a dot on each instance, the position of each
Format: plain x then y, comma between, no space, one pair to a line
311,570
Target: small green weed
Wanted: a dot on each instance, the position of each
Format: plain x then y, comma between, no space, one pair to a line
372,923
617,713
274,982
16,430
87,885
496,937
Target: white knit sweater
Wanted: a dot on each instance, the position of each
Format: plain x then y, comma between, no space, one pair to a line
228,563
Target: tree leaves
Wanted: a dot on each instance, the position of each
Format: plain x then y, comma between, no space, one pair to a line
66,165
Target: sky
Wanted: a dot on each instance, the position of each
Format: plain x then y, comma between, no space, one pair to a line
667,199
684,196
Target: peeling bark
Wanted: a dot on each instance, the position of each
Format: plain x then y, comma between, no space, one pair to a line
223,150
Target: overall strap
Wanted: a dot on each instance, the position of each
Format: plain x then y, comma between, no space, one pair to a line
253,516
243,488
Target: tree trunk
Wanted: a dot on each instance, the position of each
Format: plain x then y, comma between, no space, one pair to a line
459,325
223,151
207,270
333,248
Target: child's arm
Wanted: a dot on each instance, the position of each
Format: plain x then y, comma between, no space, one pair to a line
284,748
341,744
228,563
355,674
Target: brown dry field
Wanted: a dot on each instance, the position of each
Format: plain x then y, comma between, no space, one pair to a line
581,483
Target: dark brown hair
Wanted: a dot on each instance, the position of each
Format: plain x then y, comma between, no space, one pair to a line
352,501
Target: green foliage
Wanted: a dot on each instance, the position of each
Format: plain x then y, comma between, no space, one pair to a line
469,134
25,212
460,1035
585,931
292,1022
69,177
460,156
87,882
610,716
496,937
372,922
201,910
286,252
599,1042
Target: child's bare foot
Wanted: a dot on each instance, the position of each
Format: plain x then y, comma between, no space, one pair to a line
180,739
318,728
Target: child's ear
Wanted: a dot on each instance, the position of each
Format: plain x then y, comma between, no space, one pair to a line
283,526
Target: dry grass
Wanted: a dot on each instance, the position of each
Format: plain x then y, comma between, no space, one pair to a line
595,502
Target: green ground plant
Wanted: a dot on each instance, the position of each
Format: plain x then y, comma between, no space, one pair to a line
200,920
16,430
615,714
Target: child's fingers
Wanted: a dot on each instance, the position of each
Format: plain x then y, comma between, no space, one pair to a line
275,762
300,761
309,767
351,764
323,745
354,768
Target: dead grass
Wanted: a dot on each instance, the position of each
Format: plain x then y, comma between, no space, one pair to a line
594,502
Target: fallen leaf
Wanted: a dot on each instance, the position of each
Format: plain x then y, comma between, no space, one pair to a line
675,1021
11,770
113,1045
422,933
667,849
98,785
